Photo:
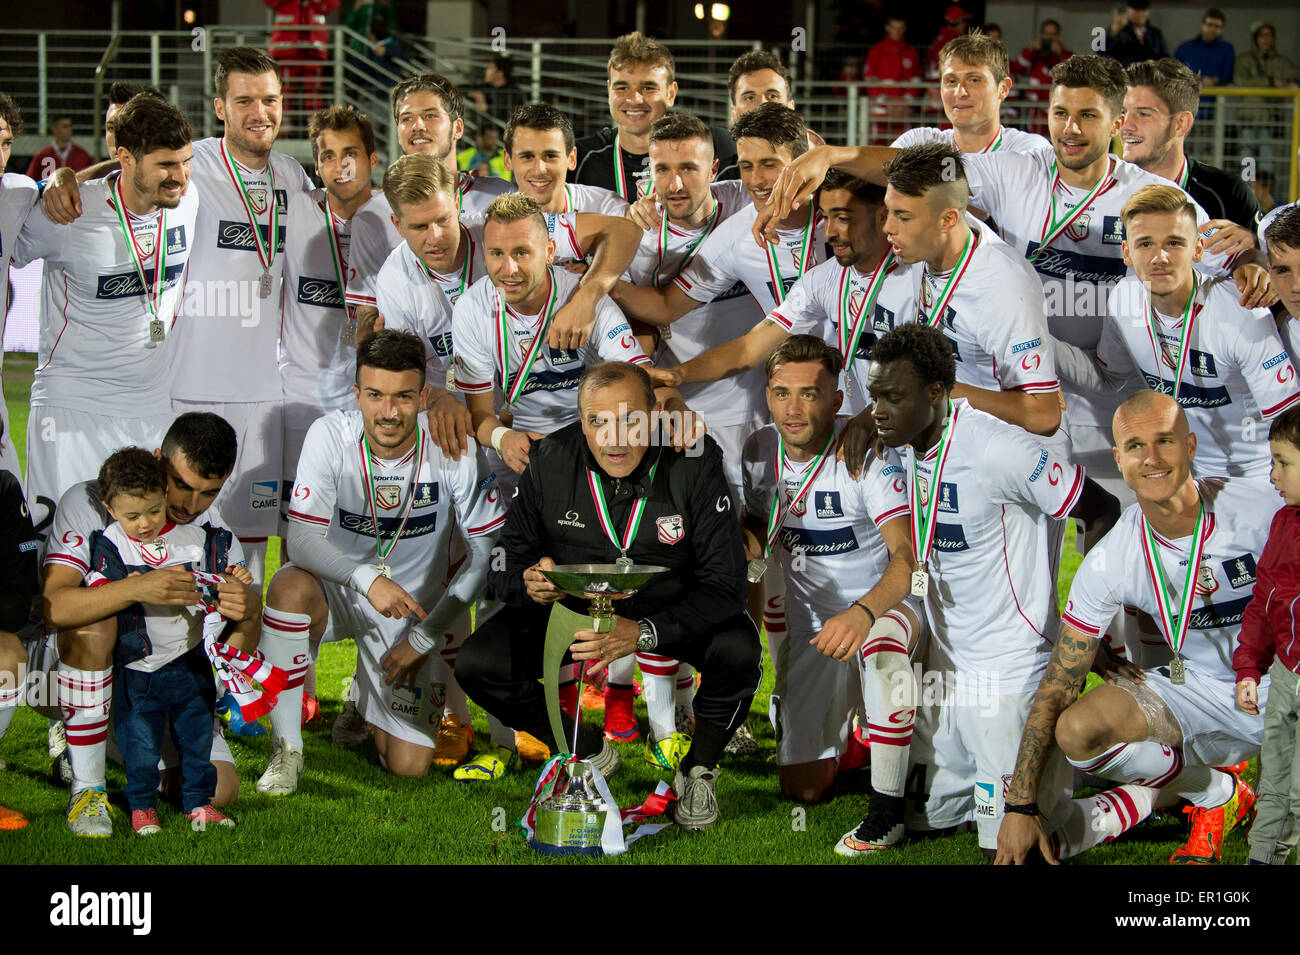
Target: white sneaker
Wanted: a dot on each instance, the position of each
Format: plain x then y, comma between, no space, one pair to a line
281,776
697,798
57,738
88,814
350,729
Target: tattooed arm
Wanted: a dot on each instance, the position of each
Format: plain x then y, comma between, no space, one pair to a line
1061,686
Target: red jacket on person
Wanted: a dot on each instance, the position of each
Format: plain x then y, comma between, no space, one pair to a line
286,44
892,60
1269,625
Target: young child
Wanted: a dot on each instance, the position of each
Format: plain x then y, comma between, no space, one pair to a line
163,669
1268,629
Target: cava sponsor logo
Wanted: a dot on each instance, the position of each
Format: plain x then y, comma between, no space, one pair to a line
986,806
562,356
1202,364
426,493
948,497
1276,360
882,320
828,504
1240,571
1025,346
570,519
1038,468
362,525
239,236
128,284
264,494
75,908
1112,230
406,701
321,293
176,240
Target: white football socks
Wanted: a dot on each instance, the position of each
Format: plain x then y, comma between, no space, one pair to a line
889,694
84,699
286,642
1160,767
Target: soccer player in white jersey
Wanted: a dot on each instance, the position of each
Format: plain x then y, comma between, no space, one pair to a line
198,452
1061,213
846,550
539,151
113,285
982,493
1282,245
227,338
1188,336
1185,553
17,198
974,80
373,509
428,112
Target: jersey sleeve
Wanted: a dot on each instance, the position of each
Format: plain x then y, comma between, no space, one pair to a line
471,341
1094,593
1018,470
1113,354
39,239
613,334
712,271
995,179
1265,364
476,493
76,517
883,489
315,490
565,235
394,300
802,312
366,255
1019,342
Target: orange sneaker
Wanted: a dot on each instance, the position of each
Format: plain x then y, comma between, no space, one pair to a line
455,739
1209,826
530,748
1236,769
620,720
592,698
11,820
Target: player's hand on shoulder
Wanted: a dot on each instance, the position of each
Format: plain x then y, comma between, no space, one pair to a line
538,588
166,586
391,600
62,197
1248,697
1018,836
450,425
1223,236
858,437
402,664
516,447
645,212
1253,284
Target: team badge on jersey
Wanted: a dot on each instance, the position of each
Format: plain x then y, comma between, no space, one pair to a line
1112,230
145,243
563,356
257,198
671,529
1205,582
797,508
1078,229
388,496
1169,353
923,487
154,552
828,504
1240,571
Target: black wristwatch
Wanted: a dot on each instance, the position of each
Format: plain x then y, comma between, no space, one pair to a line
648,639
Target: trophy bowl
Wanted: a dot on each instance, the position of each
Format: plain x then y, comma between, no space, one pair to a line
601,583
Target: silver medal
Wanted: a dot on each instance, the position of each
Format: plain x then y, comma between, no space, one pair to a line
264,285
755,570
624,561
1177,671
451,380
348,333
920,583
385,571
157,330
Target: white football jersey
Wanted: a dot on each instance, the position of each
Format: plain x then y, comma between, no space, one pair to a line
18,196
330,491
549,397
582,198
1021,191
731,255
1008,139
834,530
413,298
95,350
1115,574
317,350
660,258
828,301
1238,373
992,599
79,513
374,236
228,335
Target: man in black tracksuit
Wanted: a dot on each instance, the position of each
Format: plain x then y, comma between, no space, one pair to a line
695,612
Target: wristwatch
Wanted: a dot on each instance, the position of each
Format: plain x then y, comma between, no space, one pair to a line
648,639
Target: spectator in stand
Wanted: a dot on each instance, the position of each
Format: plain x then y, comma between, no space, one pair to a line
363,15
499,97
385,48
993,31
1262,187
892,60
1033,71
301,54
485,157
956,21
1209,54
62,152
1264,66
1132,37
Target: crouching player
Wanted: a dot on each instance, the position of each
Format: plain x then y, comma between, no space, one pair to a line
369,529
831,533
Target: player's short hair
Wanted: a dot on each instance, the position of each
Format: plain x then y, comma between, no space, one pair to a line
637,49
512,207
752,62
1286,427
776,124
453,103
131,471
1284,230
978,49
1158,199
241,59
540,117
417,178
799,349
868,192
1099,73
678,126
932,167
606,373
206,441
11,114
925,347
147,123
122,91
391,350
1176,85
339,119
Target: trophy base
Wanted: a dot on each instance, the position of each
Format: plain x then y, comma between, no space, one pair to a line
563,833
